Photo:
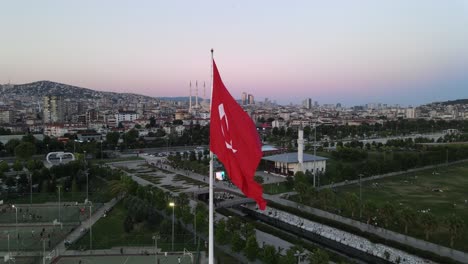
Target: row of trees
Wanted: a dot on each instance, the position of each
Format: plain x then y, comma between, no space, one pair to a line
241,236
349,163
387,128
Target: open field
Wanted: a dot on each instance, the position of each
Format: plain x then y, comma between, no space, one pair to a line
442,191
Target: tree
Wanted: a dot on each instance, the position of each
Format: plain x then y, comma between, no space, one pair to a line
237,243
352,202
247,230
369,210
290,257
112,138
11,145
123,187
17,166
233,223
407,217
4,166
25,150
259,179
251,248
270,255
128,224
388,213
429,223
221,235
454,224
318,257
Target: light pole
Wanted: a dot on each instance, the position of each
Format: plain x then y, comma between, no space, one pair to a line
195,225
315,152
172,204
43,251
155,238
60,212
90,227
360,196
9,254
30,190
87,181
101,149
16,226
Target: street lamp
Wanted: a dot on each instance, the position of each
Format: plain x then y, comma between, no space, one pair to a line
9,254
43,251
195,225
360,196
30,186
16,218
60,212
155,238
87,181
90,227
172,204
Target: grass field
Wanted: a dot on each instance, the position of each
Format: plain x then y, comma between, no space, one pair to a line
419,191
276,188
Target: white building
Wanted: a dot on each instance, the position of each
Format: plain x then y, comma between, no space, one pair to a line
122,116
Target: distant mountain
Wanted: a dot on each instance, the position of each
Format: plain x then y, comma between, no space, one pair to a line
43,88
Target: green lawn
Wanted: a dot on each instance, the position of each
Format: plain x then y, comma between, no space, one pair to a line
416,190
276,188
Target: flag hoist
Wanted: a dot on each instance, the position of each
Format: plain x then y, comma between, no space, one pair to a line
235,141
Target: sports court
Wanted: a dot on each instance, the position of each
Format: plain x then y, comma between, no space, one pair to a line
162,259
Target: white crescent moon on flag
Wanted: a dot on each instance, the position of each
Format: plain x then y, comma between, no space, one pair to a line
225,121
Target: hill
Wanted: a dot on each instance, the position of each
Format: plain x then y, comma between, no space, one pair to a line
43,88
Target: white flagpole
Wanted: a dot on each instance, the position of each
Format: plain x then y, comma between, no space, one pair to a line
211,196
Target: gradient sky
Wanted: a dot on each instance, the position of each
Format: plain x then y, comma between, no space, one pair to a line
353,52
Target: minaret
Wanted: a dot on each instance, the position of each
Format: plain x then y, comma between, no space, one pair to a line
196,93
300,148
190,98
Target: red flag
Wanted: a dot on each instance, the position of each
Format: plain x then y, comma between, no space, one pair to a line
234,140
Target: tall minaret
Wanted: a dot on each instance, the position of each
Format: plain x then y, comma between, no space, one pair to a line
196,93
300,148
204,93
190,97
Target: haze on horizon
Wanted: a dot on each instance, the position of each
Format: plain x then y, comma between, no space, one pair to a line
352,52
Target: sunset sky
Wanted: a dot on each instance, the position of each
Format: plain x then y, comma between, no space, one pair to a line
352,52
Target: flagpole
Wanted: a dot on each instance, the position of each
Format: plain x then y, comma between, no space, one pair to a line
211,196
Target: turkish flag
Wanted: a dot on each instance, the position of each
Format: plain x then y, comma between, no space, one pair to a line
234,140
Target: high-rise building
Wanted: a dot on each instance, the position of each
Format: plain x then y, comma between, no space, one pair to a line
307,103
244,98
251,99
53,109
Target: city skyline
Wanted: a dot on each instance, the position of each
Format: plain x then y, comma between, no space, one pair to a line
407,53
